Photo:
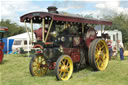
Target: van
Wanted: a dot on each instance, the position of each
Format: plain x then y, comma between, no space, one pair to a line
24,44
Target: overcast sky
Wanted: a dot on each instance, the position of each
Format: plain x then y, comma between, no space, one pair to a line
13,9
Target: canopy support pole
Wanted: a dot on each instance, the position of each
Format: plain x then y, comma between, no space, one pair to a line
32,29
49,28
101,29
27,30
82,28
7,46
43,29
28,45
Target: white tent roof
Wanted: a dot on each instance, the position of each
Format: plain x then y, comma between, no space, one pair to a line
22,36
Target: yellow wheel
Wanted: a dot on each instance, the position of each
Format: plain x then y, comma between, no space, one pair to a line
98,54
64,67
38,65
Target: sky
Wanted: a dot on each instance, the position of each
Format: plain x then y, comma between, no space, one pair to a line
13,9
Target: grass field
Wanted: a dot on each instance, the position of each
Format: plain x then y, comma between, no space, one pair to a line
15,71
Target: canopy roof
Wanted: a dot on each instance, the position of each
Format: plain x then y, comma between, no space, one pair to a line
3,29
59,17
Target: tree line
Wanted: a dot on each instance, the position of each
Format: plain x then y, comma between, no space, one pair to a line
13,28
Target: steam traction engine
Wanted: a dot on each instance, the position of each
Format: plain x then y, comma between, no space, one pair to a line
66,43
2,31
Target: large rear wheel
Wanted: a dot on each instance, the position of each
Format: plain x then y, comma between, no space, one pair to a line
98,54
38,65
64,67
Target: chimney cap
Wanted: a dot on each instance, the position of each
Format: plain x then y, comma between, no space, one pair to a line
52,9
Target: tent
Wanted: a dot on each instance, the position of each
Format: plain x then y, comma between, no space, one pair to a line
7,47
24,39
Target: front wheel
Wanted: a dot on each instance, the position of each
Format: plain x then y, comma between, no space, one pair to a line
38,65
64,67
98,54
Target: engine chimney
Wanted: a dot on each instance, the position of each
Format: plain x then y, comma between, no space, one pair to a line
52,9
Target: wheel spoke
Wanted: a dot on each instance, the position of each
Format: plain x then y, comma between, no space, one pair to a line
35,65
43,70
67,62
60,65
39,59
104,57
100,63
63,75
43,62
68,66
102,46
63,61
96,55
97,49
97,63
35,70
96,59
35,60
60,73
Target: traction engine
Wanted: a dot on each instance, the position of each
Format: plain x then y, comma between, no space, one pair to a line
2,31
67,43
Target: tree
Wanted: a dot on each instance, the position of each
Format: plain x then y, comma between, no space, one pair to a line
13,28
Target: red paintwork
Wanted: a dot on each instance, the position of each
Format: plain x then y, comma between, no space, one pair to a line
52,66
1,52
90,36
1,45
38,51
3,29
1,55
37,46
59,17
47,43
38,33
74,53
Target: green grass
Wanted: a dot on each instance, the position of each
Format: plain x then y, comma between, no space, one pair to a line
15,71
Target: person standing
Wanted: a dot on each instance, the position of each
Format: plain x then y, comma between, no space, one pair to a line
109,42
121,46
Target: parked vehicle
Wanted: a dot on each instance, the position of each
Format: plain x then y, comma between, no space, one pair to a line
67,43
2,31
